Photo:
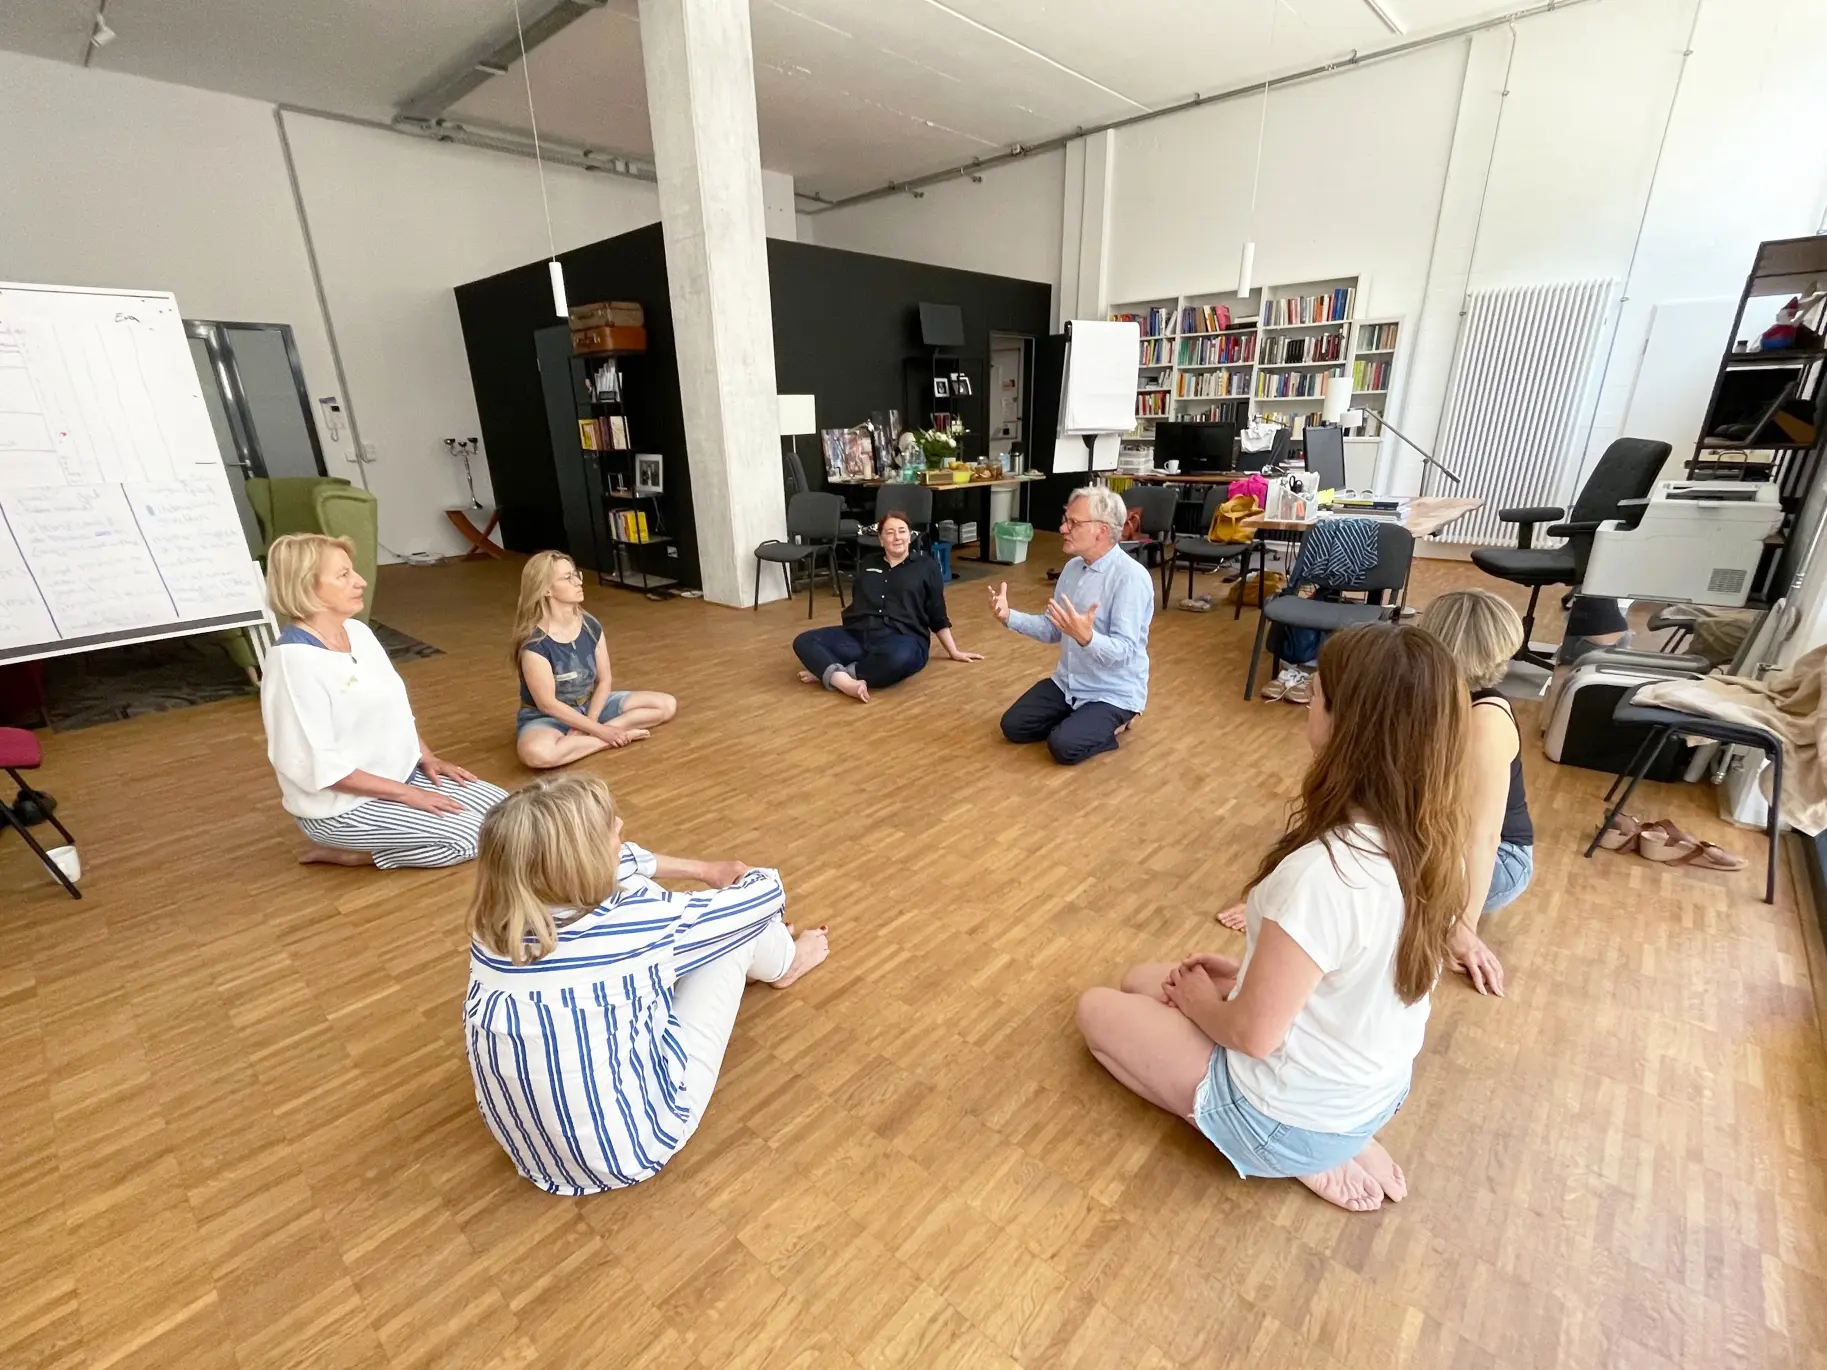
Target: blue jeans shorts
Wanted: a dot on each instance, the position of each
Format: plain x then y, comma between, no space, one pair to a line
532,718
1511,875
1257,1145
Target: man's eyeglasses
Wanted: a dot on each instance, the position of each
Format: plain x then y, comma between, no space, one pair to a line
1069,522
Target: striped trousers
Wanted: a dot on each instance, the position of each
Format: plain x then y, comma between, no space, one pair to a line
400,835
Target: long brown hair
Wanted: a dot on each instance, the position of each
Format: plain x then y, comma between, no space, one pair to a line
536,579
1396,759
543,847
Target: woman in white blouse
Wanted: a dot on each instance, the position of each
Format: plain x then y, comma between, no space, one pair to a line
340,731
600,1003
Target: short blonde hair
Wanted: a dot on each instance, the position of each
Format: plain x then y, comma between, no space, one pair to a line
294,565
1480,629
543,847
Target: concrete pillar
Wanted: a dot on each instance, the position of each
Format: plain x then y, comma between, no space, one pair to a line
701,103
1084,248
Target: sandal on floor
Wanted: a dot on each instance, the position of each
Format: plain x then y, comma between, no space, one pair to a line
1623,833
1708,856
1662,842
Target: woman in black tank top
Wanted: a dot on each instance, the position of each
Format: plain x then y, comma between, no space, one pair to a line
1483,631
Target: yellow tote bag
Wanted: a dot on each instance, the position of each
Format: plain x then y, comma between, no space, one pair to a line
1227,523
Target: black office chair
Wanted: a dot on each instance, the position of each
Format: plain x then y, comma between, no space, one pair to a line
1615,490
812,522
1197,550
793,470
1157,503
1663,723
915,501
1385,578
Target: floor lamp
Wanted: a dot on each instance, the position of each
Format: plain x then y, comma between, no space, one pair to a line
798,415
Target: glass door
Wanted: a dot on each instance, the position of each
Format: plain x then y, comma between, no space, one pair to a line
253,387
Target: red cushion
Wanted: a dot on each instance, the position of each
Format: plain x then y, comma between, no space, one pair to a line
19,749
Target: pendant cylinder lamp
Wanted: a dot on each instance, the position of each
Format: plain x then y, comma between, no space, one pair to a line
559,305
1246,268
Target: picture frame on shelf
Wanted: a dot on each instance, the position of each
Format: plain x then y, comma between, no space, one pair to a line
649,473
942,389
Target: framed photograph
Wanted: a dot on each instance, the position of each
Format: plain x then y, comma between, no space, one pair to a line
961,384
649,473
859,455
941,388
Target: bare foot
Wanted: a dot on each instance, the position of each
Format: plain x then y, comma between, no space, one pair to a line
1382,1168
1123,728
335,856
1233,918
807,678
809,949
1350,1186
850,685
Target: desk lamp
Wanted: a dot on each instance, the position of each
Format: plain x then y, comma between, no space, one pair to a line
1337,409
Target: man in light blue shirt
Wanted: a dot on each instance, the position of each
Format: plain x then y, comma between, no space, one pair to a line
1099,613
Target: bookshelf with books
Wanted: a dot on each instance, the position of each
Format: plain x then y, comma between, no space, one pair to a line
628,483
1306,340
1373,370
1155,362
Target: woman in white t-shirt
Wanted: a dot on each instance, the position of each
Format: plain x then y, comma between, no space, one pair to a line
340,731
1291,1059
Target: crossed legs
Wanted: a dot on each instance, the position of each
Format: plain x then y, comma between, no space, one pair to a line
1153,1050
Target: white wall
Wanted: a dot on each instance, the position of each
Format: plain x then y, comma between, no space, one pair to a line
1421,177
1007,226
396,224
112,180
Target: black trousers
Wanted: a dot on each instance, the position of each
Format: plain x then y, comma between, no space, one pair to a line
1072,735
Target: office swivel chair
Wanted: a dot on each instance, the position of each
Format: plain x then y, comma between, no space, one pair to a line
1616,489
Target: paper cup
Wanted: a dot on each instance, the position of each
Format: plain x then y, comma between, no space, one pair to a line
67,861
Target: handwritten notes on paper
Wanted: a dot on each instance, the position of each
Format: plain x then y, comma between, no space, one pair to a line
88,559
196,542
116,518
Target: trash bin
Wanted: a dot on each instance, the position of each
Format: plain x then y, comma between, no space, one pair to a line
1012,541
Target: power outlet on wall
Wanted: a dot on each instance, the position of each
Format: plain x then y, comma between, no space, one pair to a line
371,453
671,551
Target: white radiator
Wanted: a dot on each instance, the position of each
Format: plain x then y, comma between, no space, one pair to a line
1510,431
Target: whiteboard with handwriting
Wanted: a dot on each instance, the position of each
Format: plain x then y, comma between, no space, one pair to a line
117,523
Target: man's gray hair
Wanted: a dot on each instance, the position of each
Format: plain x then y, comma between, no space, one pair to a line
1104,505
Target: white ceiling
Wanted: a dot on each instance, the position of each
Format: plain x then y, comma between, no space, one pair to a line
850,93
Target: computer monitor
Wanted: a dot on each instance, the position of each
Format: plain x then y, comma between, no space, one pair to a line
1326,455
1196,446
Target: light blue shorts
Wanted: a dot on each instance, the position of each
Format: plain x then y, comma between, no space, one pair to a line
1511,875
532,718
1257,1145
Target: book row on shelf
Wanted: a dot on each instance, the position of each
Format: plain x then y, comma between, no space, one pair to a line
629,525
1151,402
1208,385
1157,322
1327,347
1235,411
1157,352
1237,350
1370,376
1282,385
1332,307
1377,337
606,434
1205,318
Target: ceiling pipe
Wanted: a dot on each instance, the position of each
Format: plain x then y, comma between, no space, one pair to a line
495,59
1356,58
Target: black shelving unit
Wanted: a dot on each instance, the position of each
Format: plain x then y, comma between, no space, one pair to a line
1751,388
615,488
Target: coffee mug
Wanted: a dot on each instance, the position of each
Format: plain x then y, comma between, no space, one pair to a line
1173,467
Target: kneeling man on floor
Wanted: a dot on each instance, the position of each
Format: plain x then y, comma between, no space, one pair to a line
1099,614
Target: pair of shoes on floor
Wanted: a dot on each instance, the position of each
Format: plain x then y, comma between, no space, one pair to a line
1292,685
1666,844
1198,604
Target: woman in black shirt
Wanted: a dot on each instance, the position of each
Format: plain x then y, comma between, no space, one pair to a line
897,605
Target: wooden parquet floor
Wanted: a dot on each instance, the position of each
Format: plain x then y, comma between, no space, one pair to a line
236,1127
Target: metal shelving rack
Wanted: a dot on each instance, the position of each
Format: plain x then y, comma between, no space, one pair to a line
615,468
1787,453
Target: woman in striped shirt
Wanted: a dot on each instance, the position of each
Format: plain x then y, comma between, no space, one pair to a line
600,1003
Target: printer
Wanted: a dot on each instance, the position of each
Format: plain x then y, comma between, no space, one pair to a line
1694,542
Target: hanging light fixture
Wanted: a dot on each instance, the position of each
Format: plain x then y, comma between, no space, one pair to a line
1247,267
555,267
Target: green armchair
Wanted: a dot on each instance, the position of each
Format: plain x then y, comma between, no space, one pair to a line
315,504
